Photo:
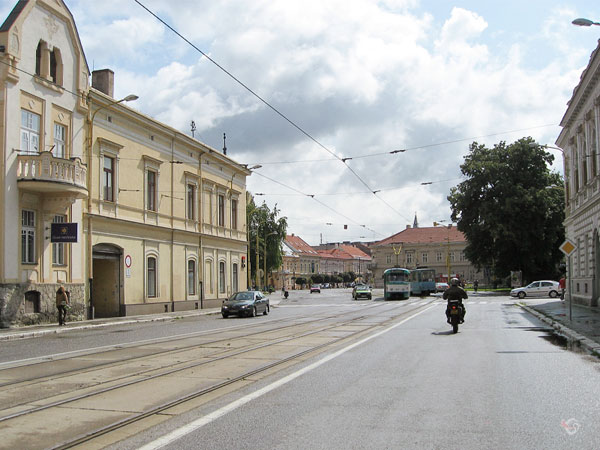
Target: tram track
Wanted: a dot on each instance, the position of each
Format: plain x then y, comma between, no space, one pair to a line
140,379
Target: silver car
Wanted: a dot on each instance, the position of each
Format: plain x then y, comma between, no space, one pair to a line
542,288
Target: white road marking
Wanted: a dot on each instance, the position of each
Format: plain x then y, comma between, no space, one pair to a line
199,423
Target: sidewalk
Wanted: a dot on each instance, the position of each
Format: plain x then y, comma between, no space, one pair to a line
30,331
584,328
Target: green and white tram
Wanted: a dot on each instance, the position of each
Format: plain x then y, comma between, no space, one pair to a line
396,284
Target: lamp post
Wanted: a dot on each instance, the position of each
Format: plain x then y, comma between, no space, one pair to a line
90,126
449,226
272,233
248,270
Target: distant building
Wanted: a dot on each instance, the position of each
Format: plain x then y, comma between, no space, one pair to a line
580,142
308,260
439,248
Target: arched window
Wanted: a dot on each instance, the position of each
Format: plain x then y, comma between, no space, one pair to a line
234,277
222,277
151,276
191,277
56,67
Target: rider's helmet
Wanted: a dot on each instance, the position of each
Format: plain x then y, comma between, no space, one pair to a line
454,282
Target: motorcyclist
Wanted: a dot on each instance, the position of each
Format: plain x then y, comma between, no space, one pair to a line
455,292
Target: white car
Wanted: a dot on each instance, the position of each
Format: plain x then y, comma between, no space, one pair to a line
441,287
542,288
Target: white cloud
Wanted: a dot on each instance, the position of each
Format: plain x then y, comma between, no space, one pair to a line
361,76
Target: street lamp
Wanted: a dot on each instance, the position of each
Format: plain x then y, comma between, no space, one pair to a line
449,226
584,22
90,124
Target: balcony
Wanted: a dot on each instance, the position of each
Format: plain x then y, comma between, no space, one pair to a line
44,173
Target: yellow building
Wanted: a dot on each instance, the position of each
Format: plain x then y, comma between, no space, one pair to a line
166,214
132,216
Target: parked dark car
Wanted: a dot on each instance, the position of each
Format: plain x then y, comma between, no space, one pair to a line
245,303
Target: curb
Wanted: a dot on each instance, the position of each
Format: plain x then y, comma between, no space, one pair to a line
25,334
589,346
10,336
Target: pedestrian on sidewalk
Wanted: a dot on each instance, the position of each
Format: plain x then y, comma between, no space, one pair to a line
562,283
62,302
475,285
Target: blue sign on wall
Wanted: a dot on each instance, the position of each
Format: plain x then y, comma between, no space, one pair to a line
63,232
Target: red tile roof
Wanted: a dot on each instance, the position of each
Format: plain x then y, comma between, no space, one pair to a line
355,252
297,244
424,236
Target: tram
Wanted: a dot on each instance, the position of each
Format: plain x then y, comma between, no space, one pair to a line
396,284
422,281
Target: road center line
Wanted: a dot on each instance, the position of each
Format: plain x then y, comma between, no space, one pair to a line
199,423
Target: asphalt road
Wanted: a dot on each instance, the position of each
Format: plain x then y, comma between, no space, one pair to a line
504,381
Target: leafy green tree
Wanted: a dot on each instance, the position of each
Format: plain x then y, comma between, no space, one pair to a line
511,209
300,281
271,229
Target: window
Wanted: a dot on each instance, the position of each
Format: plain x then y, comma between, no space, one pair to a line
191,277
151,276
452,256
409,258
56,67
38,59
439,257
221,210
27,237
60,133
424,258
191,202
234,277
30,132
151,190
108,180
58,248
222,277
388,259
234,205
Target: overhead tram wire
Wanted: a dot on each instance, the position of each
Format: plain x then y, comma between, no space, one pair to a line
392,152
319,202
275,110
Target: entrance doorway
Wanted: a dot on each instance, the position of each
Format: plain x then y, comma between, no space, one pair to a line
106,290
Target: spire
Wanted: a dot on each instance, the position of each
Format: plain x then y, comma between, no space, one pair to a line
416,222
224,144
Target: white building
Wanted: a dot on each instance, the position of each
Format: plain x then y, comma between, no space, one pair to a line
579,141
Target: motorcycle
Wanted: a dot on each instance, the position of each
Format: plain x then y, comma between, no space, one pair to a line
455,314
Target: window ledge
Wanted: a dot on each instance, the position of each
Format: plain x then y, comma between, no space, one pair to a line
49,84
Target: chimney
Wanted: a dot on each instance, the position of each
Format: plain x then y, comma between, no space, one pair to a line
407,227
104,81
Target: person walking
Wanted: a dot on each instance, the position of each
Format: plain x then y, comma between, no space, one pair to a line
62,302
562,283
475,285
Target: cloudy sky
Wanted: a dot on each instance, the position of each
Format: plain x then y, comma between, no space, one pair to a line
346,79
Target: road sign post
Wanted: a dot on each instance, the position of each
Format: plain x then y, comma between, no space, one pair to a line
568,248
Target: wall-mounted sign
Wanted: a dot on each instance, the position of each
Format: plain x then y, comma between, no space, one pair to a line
63,232
128,261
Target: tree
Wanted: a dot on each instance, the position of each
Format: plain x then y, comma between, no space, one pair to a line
265,223
511,209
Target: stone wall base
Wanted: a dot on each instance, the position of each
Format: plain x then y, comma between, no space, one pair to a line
16,310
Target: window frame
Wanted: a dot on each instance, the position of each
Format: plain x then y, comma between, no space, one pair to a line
234,213
221,210
222,279
60,142
151,276
108,177
28,130
190,201
191,276
28,236
59,248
